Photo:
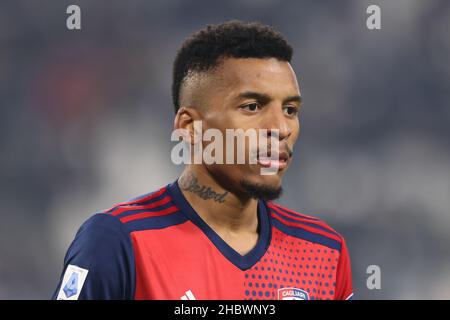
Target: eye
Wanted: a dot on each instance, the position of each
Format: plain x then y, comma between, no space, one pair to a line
251,107
291,111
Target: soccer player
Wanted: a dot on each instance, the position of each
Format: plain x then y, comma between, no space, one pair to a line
215,232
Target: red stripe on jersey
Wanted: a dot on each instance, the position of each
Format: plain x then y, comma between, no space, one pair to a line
149,214
276,205
307,228
316,222
152,205
147,198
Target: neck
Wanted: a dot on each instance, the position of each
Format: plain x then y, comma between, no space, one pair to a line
220,208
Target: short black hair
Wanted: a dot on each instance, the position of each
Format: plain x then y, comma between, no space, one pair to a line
203,50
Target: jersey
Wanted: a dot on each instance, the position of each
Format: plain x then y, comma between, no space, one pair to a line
157,247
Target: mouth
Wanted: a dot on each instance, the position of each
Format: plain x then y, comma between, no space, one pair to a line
278,160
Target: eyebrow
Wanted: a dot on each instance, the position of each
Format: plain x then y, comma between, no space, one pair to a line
265,98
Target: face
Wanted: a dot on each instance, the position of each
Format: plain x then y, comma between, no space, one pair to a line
252,94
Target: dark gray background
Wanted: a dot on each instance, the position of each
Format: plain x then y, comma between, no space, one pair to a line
86,117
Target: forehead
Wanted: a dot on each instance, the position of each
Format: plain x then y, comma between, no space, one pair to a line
270,76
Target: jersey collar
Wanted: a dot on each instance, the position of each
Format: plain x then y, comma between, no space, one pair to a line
243,262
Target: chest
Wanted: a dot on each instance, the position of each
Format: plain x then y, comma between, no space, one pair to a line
167,268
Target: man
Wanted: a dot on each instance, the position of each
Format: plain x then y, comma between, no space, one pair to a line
214,233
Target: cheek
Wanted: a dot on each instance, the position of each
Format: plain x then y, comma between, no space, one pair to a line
296,130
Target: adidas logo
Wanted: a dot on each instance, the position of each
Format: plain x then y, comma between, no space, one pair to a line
188,296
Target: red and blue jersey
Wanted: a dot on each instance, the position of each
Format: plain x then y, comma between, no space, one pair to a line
158,247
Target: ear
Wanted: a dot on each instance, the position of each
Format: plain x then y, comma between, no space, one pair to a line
184,120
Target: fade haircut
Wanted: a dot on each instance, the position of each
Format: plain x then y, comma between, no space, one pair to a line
204,50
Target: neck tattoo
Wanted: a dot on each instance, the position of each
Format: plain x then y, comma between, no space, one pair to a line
190,183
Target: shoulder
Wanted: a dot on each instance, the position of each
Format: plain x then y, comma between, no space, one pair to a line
153,210
103,248
100,235
304,226
102,256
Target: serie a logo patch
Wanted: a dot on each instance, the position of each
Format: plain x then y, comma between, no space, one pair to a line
292,294
72,283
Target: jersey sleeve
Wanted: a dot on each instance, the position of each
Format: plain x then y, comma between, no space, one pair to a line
344,288
99,264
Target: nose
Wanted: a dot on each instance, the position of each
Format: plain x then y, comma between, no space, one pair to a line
277,121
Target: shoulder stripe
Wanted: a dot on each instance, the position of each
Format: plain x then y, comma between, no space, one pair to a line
307,223
155,204
154,223
131,211
314,223
143,215
306,235
291,212
139,199
307,228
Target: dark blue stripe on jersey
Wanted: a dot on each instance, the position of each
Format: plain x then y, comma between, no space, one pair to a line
306,235
158,222
161,196
295,215
130,211
307,223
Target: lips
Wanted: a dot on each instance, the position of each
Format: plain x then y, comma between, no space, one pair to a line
279,160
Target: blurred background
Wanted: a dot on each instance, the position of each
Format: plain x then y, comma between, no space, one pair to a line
86,118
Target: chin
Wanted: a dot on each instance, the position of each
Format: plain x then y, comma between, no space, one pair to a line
262,187
273,181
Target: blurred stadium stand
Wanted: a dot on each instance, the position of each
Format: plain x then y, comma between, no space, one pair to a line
86,118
